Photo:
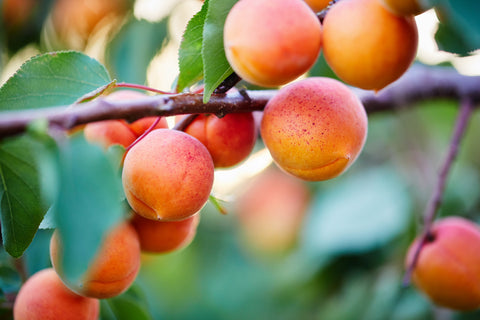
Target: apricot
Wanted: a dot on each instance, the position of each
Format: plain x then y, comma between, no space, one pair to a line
271,211
114,267
366,45
44,297
448,267
229,139
405,7
168,175
109,132
314,128
317,5
270,43
165,236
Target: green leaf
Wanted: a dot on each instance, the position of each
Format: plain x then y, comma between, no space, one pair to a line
132,49
216,66
459,30
52,79
88,203
190,53
360,213
21,205
129,305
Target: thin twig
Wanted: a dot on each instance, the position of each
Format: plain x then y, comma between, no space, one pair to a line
183,124
434,202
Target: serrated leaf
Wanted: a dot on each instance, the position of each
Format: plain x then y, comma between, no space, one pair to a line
52,79
215,63
21,205
88,203
190,53
133,48
358,214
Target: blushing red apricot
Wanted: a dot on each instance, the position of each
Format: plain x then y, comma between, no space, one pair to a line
317,5
366,45
109,132
271,211
114,267
405,7
314,128
448,267
44,297
168,175
270,43
229,139
165,236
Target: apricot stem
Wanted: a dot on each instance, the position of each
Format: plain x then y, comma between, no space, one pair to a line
141,87
144,134
461,124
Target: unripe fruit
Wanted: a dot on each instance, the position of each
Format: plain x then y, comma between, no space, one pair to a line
366,45
404,7
271,211
114,267
317,5
314,128
165,236
44,296
229,139
448,267
270,43
168,175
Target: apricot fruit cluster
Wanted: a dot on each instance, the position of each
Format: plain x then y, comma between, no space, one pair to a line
448,266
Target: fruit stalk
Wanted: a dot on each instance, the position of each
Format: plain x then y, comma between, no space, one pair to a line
435,201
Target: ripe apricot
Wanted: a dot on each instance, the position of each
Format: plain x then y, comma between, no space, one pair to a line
168,175
44,297
317,5
448,267
114,267
314,128
405,7
270,43
229,139
366,45
271,211
165,236
109,132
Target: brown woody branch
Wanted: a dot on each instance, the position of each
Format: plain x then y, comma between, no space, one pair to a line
419,83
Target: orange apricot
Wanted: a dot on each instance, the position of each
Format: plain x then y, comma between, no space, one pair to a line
168,175
317,5
448,267
114,267
44,297
405,7
109,132
366,45
165,236
229,139
270,43
314,128
271,211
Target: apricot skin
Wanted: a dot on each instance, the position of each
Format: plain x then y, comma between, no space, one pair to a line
270,43
109,132
314,128
165,236
271,211
317,5
404,7
448,268
369,53
114,268
229,139
167,176
44,297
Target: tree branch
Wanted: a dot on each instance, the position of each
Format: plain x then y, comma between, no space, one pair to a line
419,83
